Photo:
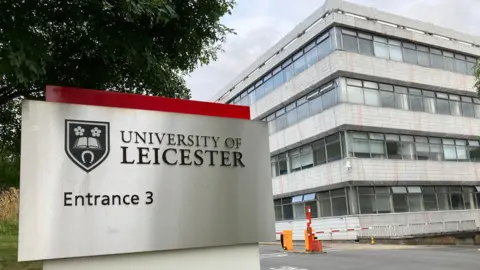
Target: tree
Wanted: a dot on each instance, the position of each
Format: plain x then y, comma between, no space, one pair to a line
135,46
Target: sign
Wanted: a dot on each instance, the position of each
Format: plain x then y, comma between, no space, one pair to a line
98,180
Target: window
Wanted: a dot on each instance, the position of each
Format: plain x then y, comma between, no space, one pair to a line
416,101
329,99
448,61
287,208
366,198
382,199
471,62
460,64
319,154
323,48
393,145
415,199
372,96
437,59
299,63
429,103
455,105
422,148
474,150
423,56
311,54
339,202
274,167
395,50
302,109
355,91
325,204
349,40
380,47
387,99
315,104
456,198
399,198
408,147
365,43
401,98
291,114
360,145
467,107
409,53
334,151
376,143
443,198
443,106
429,199
278,209
282,164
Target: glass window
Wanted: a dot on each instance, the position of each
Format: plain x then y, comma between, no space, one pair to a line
302,111
455,108
416,102
448,61
282,164
372,97
339,202
430,202
377,147
400,204
309,197
329,99
277,80
334,151
422,150
315,105
299,209
287,73
429,103
278,213
306,157
471,65
457,201
360,145
409,53
449,152
355,94
313,208
323,48
380,47
408,147
383,203
443,201
295,160
460,64
395,50
319,154
476,107
423,56
299,65
415,202
474,150
325,204
311,57
387,99
349,41
268,86
443,107
436,152
436,57
367,203
291,117
365,43
393,145
401,100
287,212
467,109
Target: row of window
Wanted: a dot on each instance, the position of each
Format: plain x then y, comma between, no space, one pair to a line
372,94
374,145
359,42
313,154
378,200
414,99
292,66
394,49
407,147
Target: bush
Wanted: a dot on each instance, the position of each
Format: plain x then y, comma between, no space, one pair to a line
9,204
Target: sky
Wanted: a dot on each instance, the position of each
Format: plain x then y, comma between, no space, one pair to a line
259,24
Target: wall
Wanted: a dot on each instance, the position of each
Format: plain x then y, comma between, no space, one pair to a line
365,221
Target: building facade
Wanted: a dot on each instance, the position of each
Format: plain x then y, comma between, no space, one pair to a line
374,122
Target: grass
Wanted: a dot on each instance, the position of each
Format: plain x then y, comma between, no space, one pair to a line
9,200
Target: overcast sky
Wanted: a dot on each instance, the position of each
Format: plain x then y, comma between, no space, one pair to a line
259,24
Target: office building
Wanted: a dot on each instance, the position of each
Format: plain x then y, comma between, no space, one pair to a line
374,121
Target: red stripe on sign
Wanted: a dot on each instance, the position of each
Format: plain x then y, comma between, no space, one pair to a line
335,230
348,230
140,102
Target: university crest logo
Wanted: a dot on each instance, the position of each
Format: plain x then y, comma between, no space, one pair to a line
87,143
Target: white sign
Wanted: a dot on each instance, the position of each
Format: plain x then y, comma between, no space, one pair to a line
97,181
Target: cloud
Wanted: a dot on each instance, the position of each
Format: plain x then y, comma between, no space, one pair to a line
260,24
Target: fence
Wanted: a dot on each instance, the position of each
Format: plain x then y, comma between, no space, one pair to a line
399,230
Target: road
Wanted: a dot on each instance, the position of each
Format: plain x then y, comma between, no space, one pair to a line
358,256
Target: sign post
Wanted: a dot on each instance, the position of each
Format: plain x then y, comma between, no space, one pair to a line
120,181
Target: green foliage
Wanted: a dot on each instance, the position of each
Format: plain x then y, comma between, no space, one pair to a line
135,46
